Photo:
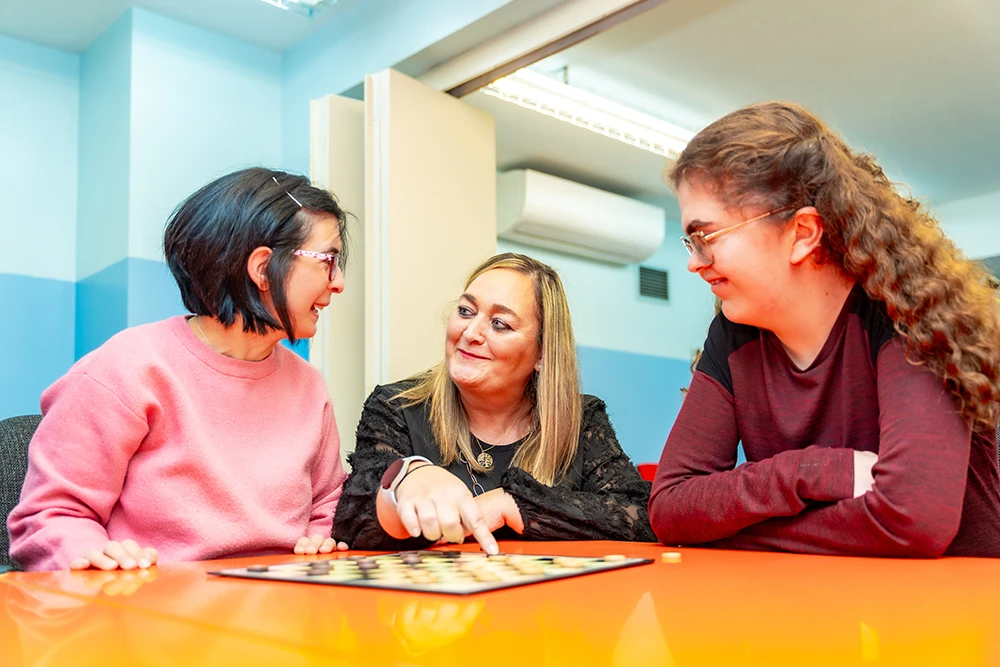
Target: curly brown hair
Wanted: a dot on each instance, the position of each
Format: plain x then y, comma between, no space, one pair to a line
779,154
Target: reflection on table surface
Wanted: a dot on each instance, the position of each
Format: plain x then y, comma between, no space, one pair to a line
714,607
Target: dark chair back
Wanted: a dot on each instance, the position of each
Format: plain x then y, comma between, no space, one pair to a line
15,434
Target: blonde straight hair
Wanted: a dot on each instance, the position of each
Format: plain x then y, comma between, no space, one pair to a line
554,391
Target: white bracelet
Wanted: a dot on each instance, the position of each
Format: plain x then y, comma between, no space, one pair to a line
395,474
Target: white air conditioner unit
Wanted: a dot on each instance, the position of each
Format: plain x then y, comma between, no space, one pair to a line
550,212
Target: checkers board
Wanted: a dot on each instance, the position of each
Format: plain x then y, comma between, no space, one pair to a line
448,572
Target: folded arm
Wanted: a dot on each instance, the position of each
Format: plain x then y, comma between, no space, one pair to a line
915,505
700,496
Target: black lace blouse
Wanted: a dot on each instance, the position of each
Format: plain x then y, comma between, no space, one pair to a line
602,496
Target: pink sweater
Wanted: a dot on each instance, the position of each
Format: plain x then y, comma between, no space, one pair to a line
157,438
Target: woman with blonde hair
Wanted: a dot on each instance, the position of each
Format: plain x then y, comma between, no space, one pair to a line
856,357
497,436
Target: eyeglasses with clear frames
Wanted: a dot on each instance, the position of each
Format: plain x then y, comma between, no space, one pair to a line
332,258
697,243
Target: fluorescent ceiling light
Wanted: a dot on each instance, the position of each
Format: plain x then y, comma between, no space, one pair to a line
306,7
573,105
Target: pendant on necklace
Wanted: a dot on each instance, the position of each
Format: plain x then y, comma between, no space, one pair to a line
485,460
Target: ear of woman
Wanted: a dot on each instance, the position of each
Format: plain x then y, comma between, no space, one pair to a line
807,226
257,266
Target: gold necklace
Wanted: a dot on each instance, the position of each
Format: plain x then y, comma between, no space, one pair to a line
484,459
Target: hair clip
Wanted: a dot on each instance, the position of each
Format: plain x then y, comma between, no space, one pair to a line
275,179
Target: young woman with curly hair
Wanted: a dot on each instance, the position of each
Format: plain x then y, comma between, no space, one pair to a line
856,357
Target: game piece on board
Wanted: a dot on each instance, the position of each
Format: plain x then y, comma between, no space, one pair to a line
671,557
614,558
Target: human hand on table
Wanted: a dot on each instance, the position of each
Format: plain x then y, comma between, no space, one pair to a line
318,544
436,504
864,480
125,554
499,509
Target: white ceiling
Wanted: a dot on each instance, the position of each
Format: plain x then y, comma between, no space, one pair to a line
914,82
72,25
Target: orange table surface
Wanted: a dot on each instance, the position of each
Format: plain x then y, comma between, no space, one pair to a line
712,608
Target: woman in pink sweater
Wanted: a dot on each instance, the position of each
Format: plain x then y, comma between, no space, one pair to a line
200,437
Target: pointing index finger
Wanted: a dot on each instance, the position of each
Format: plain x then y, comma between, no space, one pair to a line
475,522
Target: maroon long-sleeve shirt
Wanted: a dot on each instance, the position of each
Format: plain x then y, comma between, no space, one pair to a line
936,482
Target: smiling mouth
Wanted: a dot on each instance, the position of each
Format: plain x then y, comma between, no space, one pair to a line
470,355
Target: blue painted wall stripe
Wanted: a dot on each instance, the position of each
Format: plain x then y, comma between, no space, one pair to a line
153,294
38,335
643,394
101,307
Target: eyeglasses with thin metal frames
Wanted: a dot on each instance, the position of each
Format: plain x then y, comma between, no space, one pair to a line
697,243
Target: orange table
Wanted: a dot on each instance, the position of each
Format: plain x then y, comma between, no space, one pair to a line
714,607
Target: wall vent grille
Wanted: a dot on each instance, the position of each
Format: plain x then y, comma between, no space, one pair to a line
653,283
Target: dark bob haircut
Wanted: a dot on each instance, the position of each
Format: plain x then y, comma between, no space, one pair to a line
210,237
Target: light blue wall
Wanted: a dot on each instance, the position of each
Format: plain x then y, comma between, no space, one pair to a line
105,91
202,105
102,210
39,103
38,337
178,106
39,106
101,306
365,38
972,224
152,292
122,133
643,394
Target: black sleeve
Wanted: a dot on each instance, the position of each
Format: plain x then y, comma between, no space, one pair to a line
724,337
876,321
382,438
610,504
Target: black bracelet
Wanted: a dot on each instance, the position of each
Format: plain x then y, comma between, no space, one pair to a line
409,472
